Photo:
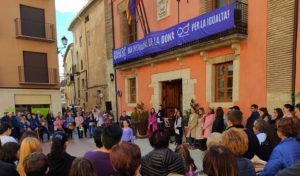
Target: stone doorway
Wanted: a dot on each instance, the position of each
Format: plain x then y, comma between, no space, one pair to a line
172,96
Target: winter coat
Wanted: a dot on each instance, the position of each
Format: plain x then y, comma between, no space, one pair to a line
161,162
245,167
218,125
294,170
284,155
193,121
250,121
207,123
152,120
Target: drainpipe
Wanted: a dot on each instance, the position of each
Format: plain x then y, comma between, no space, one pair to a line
295,36
113,47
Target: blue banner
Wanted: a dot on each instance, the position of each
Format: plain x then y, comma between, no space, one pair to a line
205,25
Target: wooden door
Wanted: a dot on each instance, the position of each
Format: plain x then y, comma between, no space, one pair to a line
172,93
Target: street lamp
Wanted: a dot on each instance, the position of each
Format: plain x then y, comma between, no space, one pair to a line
64,41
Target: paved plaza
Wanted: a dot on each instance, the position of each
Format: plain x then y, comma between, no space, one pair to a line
79,147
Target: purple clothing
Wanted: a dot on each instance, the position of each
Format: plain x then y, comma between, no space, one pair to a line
127,135
101,163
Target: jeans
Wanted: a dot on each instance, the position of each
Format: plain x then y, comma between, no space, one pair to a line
91,130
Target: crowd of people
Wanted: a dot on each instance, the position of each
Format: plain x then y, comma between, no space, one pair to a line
267,145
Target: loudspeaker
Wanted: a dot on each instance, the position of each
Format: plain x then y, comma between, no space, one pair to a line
108,106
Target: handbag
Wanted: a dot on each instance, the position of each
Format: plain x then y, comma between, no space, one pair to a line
70,126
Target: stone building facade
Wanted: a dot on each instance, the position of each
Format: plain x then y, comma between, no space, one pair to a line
92,33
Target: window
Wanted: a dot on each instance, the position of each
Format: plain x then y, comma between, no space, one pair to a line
86,96
223,82
35,67
132,90
221,3
87,19
82,84
80,41
32,21
129,31
78,88
81,64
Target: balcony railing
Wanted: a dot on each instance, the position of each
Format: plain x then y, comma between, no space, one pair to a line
38,75
35,30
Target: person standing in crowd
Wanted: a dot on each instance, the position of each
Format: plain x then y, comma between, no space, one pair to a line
79,124
126,159
236,141
152,162
178,128
219,161
82,167
28,146
277,114
69,124
152,123
58,124
35,164
235,119
13,122
105,139
160,117
254,116
123,117
266,137
85,123
287,152
199,131
100,119
288,111
34,124
207,124
7,169
193,121
43,129
50,120
134,120
297,111
127,133
59,160
190,167
218,125
9,153
264,114
91,124
5,132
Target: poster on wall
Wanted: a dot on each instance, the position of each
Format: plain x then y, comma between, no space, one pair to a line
43,111
163,9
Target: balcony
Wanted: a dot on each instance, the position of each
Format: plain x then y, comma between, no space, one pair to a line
38,76
31,30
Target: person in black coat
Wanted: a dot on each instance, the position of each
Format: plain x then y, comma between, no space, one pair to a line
218,125
235,118
161,160
160,117
254,116
59,160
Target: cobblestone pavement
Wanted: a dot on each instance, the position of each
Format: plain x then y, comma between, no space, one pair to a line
78,147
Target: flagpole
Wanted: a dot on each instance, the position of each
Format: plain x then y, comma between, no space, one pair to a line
146,19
